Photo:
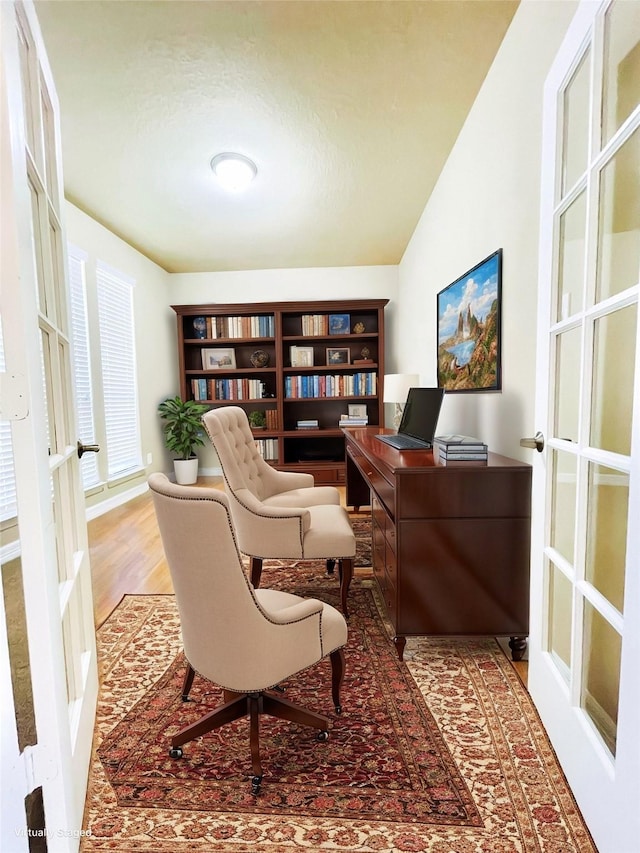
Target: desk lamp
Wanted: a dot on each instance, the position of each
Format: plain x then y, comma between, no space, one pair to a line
396,388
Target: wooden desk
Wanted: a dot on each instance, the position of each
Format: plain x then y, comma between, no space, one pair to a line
450,544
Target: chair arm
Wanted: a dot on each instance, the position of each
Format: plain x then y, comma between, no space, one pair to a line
285,481
296,612
268,531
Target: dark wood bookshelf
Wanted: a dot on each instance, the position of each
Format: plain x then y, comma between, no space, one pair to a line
319,451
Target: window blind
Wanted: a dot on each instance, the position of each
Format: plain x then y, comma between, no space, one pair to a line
82,363
8,505
117,350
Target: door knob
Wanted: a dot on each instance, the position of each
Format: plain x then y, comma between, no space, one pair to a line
535,443
87,448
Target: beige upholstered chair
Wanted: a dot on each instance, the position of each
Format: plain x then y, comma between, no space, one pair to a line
278,514
247,641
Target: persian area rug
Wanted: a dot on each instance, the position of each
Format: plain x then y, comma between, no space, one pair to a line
442,753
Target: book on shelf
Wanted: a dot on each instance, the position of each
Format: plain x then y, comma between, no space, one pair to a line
352,420
309,423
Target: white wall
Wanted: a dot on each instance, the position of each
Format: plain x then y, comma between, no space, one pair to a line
155,335
486,198
283,285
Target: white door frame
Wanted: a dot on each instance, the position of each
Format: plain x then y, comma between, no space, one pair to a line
607,790
54,551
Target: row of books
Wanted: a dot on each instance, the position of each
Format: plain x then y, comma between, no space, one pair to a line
258,326
227,389
315,324
268,448
342,385
460,448
272,418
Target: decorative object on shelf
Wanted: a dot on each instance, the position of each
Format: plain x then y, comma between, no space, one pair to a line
357,410
396,388
259,358
199,327
183,432
469,335
218,358
257,419
365,356
338,355
339,324
358,329
301,356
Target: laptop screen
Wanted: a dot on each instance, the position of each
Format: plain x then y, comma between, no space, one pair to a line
420,416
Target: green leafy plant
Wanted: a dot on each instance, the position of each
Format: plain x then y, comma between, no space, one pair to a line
257,419
183,425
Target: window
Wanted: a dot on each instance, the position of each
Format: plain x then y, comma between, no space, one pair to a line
117,353
82,364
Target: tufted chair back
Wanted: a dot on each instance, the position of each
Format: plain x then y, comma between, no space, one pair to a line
242,464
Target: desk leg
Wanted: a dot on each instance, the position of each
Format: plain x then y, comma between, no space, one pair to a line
518,646
400,643
346,574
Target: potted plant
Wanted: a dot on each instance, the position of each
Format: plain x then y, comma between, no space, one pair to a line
257,419
182,431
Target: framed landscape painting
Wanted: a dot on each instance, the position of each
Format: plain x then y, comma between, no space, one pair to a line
469,333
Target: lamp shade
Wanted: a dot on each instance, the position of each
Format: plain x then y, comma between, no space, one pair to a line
396,386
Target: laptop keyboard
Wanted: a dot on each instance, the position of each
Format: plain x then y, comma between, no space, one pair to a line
404,442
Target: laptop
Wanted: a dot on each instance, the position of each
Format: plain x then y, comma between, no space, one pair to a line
419,419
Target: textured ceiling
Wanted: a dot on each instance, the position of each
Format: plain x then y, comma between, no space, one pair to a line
349,110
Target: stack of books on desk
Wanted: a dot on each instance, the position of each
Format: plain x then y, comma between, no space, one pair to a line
459,449
353,421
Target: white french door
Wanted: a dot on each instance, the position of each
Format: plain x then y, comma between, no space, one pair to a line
38,402
584,670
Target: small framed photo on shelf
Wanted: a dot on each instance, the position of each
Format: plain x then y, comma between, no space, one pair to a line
218,358
338,355
357,410
301,356
339,324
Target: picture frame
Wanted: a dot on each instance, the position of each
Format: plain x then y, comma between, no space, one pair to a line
301,356
357,410
338,355
469,335
339,324
218,358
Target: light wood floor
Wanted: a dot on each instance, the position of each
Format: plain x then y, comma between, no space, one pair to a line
127,557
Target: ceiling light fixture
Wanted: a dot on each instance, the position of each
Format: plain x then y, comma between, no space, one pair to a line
234,171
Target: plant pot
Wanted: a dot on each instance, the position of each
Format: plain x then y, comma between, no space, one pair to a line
186,470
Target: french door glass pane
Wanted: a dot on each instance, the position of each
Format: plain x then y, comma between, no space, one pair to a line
576,125
607,511
567,384
621,91
36,247
560,617
614,352
571,268
602,647
619,229
563,504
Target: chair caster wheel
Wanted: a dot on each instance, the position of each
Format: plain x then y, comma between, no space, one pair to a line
185,698
321,736
338,709
175,752
255,785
